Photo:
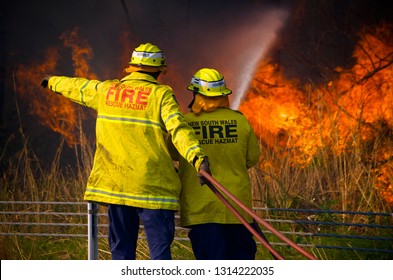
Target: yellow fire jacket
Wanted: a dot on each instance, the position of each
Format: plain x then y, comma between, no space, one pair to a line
232,147
132,165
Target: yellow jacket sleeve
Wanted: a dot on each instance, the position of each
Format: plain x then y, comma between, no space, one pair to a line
78,90
183,136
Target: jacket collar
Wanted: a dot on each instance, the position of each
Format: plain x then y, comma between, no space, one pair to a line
140,76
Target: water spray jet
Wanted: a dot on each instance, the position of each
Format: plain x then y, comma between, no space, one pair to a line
261,36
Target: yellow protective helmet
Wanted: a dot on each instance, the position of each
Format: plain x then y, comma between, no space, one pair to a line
209,82
149,55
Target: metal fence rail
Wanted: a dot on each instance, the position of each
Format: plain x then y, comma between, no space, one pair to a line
311,228
329,225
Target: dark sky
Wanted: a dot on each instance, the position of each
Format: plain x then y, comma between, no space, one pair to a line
307,38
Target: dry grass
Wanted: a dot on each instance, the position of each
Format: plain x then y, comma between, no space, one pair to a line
344,182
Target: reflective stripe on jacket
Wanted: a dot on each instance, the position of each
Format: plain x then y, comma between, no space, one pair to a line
232,147
132,165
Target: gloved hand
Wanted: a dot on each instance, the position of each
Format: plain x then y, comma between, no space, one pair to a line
44,82
205,166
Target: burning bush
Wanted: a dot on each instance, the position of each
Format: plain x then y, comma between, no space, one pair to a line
351,114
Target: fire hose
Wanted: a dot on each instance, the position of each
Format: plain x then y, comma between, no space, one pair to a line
216,187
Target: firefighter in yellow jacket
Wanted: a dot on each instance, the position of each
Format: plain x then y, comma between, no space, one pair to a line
230,143
133,172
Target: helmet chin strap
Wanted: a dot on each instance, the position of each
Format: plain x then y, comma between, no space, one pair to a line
192,101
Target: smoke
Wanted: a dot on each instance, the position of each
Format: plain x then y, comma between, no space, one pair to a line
230,37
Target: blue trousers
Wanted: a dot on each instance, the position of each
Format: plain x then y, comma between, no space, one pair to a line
213,241
123,231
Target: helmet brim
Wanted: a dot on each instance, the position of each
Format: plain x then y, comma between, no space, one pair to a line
145,68
224,92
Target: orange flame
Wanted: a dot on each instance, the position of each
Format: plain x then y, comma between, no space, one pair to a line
347,112
81,53
56,112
